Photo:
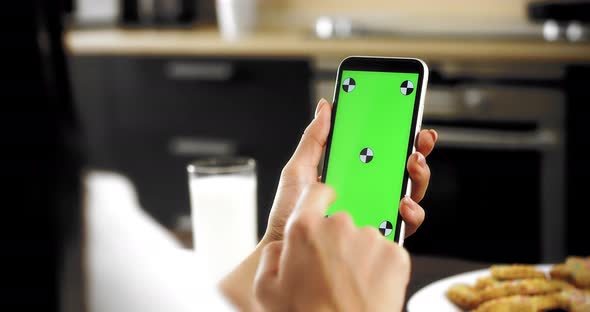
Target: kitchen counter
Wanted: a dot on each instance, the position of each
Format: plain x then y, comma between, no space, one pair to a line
207,42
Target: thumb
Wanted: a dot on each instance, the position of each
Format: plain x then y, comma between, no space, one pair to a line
310,148
266,282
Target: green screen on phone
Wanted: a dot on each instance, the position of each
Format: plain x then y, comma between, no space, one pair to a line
372,129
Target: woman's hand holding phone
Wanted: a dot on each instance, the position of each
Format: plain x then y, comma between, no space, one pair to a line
378,106
301,171
329,263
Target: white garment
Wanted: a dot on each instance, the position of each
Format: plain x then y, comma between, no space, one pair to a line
133,263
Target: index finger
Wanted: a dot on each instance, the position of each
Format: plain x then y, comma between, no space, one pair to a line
309,151
311,208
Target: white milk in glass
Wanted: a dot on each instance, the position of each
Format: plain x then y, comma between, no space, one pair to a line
224,219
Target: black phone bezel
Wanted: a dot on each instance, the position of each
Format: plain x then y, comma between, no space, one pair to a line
380,64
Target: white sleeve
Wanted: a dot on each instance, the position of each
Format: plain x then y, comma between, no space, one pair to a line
133,263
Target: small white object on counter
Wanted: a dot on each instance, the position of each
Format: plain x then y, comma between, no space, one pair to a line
236,19
95,12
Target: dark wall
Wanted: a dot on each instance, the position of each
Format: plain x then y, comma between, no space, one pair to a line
41,212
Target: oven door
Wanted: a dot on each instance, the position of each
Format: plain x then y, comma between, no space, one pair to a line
496,190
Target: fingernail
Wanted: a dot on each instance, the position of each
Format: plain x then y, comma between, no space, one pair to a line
408,202
318,109
434,135
421,160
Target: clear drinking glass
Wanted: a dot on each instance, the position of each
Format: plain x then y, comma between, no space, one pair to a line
223,211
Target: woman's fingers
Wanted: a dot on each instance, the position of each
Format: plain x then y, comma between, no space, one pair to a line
311,209
426,141
266,282
419,174
417,166
412,213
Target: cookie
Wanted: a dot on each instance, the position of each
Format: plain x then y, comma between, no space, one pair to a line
536,286
548,302
561,272
519,303
464,296
484,282
562,284
574,300
581,279
580,271
515,271
581,274
521,287
509,304
573,260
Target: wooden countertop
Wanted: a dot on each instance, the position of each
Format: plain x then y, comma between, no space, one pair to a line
207,42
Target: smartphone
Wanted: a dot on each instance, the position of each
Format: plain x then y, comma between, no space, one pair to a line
376,117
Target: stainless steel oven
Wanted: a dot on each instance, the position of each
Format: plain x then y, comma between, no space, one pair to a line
498,182
497,186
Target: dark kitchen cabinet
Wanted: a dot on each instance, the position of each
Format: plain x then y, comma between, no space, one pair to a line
578,215
148,117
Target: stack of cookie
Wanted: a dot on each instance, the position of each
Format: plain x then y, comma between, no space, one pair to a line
524,288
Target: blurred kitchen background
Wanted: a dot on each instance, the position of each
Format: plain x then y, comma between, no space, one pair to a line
157,85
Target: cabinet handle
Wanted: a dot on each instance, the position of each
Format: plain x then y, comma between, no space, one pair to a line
494,139
207,71
187,146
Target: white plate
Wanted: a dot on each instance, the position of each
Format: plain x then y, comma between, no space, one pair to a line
432,297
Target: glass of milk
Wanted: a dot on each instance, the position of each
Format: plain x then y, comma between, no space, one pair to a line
223,211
